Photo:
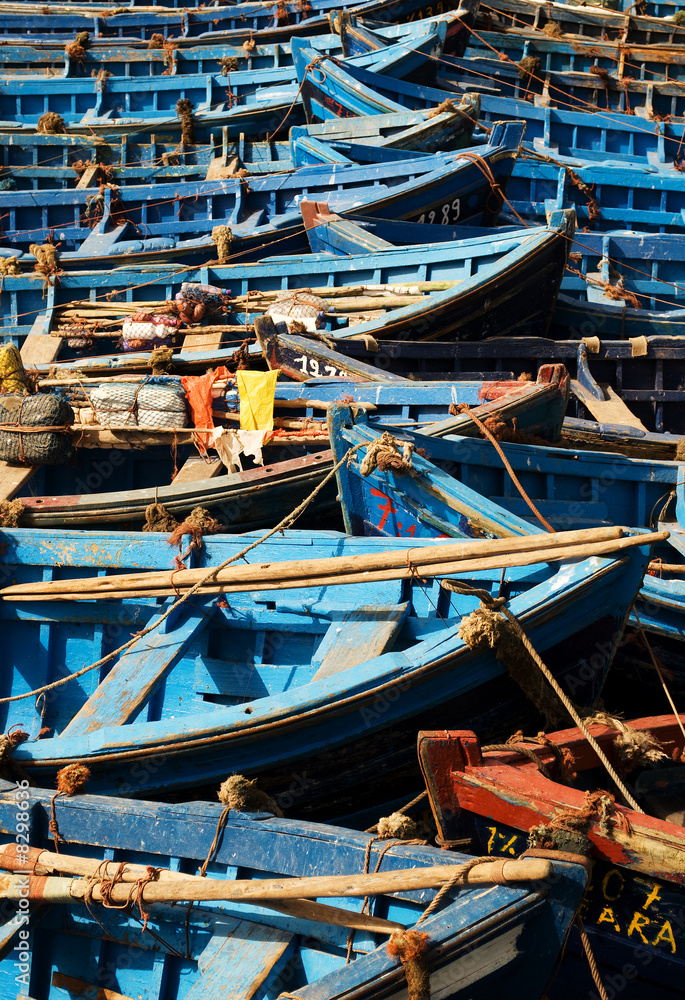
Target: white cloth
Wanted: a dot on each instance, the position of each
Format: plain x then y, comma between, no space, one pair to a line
231,444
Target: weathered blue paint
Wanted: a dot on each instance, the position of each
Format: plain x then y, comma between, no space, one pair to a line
570,488
175,221
519,930
201,724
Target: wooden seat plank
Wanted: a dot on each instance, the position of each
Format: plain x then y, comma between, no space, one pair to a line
195,468
238,965
359,635
13,477
611,410
39,347
131,682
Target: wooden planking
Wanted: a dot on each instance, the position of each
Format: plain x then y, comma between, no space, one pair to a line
86,991
13,477
127,687
200,341
611,410
39,347
195,468
231,971
358,636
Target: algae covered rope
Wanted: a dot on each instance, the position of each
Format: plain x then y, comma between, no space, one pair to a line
481,628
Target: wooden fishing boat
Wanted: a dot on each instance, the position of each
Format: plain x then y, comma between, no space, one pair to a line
238,217
621,285
141,462
204,57
293,690
633,910
604,197
569,129
571,73
559,19
647,375
558,487
90,305
478,934
38,161
241,100
237,23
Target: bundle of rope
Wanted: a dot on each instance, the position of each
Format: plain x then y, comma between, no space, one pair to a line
384,454
51,124
222,237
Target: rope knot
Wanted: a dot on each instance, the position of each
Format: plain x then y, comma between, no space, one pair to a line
410,947
397,826
384,454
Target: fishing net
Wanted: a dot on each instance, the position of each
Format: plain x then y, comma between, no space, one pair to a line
19,442
303,308
143,405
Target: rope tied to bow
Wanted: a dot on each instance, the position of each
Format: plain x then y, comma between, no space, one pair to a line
46,262
445,107
476,637
567,829
384,454
9,266
634,748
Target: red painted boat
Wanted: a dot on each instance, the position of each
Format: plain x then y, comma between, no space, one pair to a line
556,793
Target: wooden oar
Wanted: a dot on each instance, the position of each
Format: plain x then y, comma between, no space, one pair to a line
312,573
67,890
42,862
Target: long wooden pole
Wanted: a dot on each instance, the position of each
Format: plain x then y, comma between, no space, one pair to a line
42,863
65,890
296,569
226,584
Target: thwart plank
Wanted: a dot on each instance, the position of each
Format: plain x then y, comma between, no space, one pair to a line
611,410
195,468
13,477
129,684
233,971
39,348
358,636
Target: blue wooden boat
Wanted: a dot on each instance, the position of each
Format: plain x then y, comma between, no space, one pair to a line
527,256
617,285
498,799
583,21
149,223
594,76
236,24
176,57
605,137
604,196
245,100
478,937
270,703
569,487
567,130
116,474
40,162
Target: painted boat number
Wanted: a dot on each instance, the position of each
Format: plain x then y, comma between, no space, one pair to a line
450,213
311,366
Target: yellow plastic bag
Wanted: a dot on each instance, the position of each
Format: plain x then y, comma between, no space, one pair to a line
256,391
